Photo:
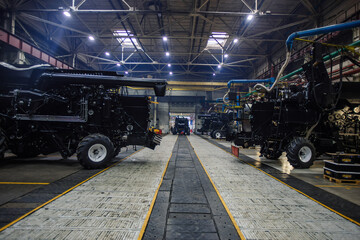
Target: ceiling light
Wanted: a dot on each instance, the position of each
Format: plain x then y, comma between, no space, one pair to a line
118,64
219,66
250,17
165,38
126,72
167,54
170,73
91,38
67,13
236,40
169,65
226,55
107,53
214,74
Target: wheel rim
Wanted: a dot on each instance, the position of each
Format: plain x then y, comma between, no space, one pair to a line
218,135
305,154
97,152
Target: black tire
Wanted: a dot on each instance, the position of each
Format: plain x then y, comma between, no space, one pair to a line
301,153
217,134
95,151
3,144
212,134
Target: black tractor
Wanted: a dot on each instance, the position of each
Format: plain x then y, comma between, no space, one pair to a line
181,126
221,125
206,120
45,110
315,114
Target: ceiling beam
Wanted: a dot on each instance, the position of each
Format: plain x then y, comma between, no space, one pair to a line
166,12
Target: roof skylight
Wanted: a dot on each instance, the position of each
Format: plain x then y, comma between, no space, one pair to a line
217,40
126,42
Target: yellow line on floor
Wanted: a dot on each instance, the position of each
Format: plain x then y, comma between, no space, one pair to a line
143,228
241,235
347,218
25,183
336,186
70,189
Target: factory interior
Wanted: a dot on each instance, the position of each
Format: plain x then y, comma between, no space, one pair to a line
179,119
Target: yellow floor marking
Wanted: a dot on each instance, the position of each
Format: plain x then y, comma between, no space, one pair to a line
241,235
143,228
345,186
20,183
70,189
347,218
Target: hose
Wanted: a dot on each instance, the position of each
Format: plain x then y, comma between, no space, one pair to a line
224,97
22,69
260,87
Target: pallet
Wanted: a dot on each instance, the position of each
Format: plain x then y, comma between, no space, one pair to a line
331,179
350,158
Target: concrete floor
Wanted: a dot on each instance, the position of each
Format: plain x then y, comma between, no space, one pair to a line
118,203
40,171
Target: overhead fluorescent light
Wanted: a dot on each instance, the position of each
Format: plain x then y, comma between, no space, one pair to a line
67,13
250,17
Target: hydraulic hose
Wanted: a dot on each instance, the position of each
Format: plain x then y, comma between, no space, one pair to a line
260,86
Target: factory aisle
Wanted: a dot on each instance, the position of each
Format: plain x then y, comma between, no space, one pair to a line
188,206
112,205
265,208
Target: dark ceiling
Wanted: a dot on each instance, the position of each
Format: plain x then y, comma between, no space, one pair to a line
188,26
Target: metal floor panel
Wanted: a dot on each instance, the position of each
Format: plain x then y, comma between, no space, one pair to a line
192,208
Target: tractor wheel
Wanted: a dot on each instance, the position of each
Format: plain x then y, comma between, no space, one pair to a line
3,144
301,153
212,134
95,151
217,134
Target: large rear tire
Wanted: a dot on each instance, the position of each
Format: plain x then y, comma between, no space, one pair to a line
301,153
212,134
95,151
